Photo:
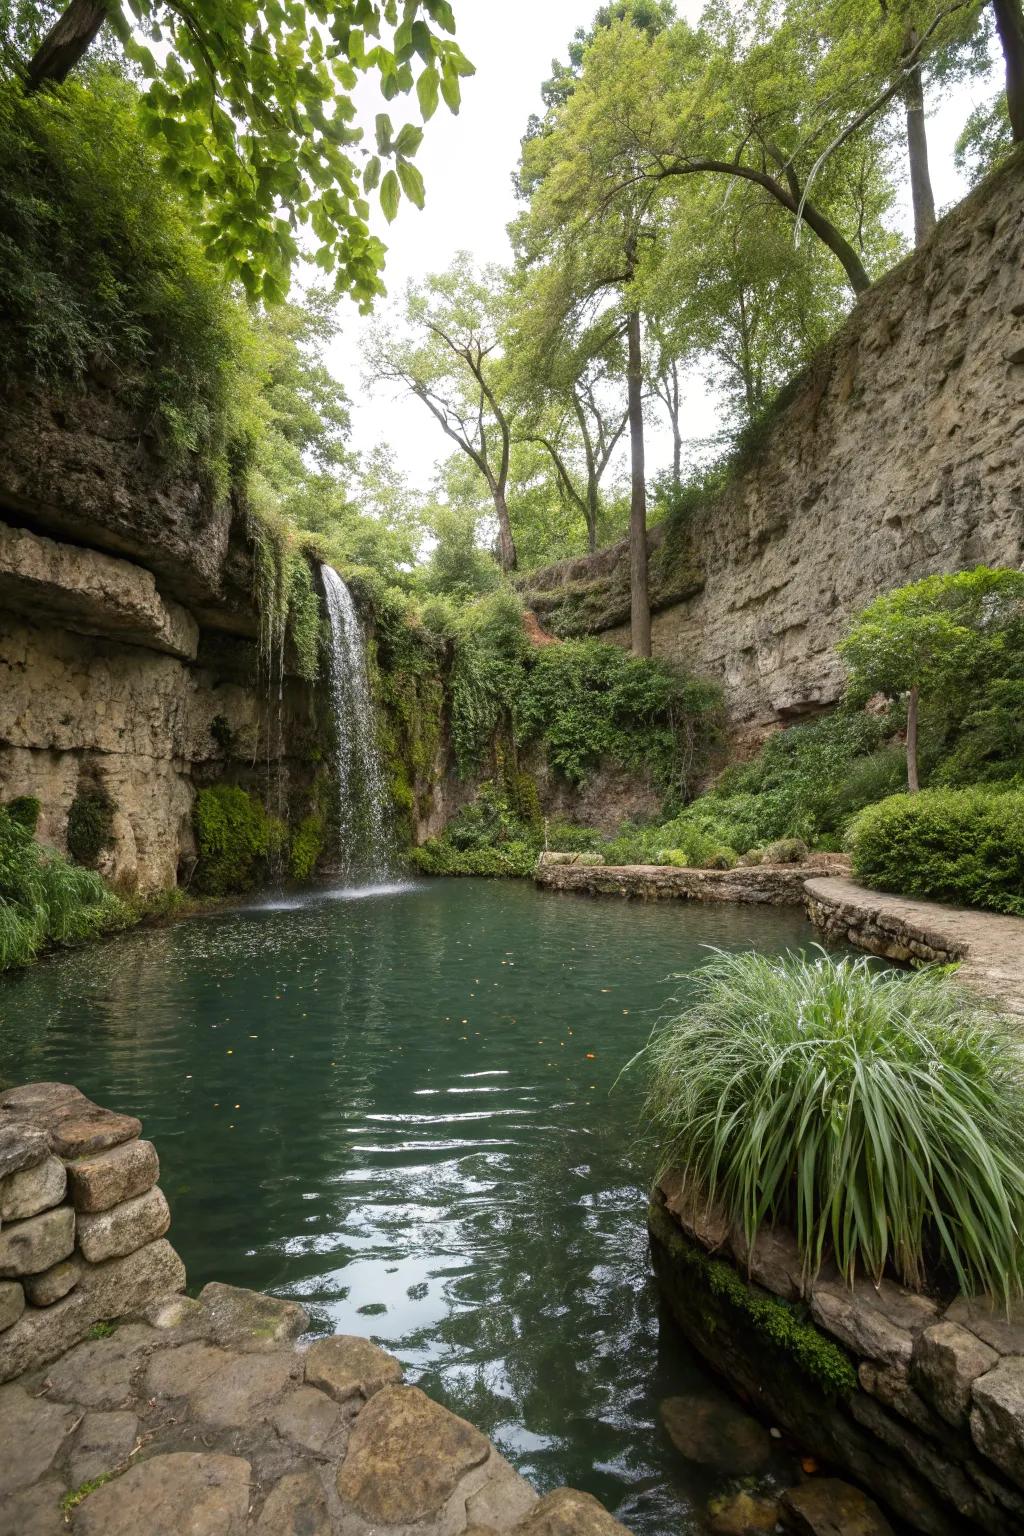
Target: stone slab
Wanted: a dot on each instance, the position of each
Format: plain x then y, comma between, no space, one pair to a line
244,1388
119,1173
27,1247
346,1366
310,1419
296,1506
32,1190
121,1230
879,1322
827,1507
34,1511
406,1456
152,1496
248,1321
99,1373
103,1443
32,1433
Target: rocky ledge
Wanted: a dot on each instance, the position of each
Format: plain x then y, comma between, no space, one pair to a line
919,1402
207,1406
779,885
137,1411
988,948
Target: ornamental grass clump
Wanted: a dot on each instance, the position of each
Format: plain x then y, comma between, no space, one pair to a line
877,1114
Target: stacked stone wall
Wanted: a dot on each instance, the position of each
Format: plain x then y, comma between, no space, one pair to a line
82,1222
920,1401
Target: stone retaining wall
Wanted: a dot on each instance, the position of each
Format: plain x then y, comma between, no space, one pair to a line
780,885
922,1403
82,1222
987,947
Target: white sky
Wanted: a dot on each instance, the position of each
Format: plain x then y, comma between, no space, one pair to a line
467,163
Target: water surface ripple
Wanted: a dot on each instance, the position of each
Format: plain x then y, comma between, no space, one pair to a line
401,1110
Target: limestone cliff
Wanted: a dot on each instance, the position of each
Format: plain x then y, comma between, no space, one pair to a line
128,638
901,453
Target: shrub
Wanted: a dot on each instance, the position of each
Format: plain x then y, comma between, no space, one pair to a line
787,850
439,857
959,845
238,842
90,823
44,899
25,810
877,1114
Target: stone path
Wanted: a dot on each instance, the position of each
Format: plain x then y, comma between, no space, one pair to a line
988,947
202,1418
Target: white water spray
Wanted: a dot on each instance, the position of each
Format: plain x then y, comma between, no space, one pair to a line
362,797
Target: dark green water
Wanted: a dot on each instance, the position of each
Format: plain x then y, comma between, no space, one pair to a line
399,1108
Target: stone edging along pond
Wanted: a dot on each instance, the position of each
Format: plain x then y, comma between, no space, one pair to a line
921,1404
202,1405
988,949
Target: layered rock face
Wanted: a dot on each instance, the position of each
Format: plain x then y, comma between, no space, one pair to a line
899,455
129,660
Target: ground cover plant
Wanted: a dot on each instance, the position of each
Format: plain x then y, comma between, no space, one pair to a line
956,845
45,899
879,1115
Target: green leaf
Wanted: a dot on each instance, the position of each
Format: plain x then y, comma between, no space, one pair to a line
412,182
390,196
409,139
451,91
427,87
383,131
371,173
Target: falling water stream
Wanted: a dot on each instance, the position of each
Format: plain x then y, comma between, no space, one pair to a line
362,797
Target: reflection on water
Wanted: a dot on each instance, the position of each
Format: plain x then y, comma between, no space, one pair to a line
401,1110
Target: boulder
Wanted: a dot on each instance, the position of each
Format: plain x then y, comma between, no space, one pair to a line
346,1366
248,1321
743,1514
43,1290
26,1247
827,1507
707,1427
32,1190
569,1513
406,1457
152,1495
73,1124
997,1416
124,1228
119,1173
947,1360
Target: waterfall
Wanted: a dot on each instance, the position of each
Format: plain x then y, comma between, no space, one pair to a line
362,797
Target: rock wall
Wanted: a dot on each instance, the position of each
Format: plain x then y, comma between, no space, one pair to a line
129,640
82,1222
901,453
921,1403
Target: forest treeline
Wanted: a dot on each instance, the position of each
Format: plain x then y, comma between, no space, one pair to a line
699,202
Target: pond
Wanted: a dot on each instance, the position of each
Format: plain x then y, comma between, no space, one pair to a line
401,1107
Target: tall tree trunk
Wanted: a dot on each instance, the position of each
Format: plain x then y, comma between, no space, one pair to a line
66,43
592,511
913,783
639,600
507,557
1010,26
917,147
